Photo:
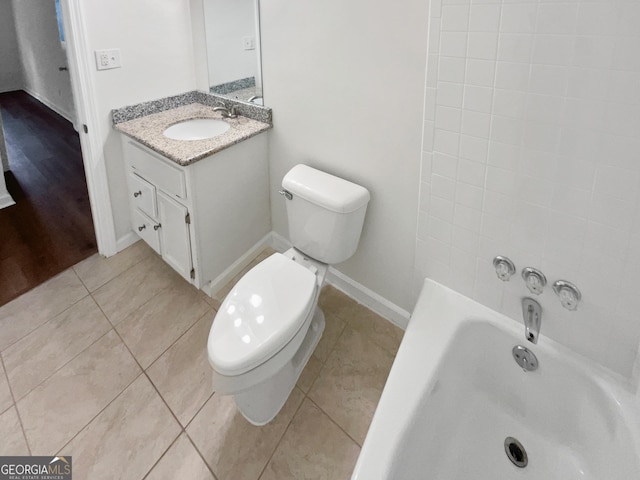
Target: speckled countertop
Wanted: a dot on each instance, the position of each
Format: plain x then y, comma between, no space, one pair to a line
148,131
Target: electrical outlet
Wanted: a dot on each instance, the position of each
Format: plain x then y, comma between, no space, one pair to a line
248,43
108,59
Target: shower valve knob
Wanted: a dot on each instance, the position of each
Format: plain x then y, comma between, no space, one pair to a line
504,268
534,279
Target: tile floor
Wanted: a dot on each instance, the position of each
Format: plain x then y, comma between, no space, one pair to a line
107,362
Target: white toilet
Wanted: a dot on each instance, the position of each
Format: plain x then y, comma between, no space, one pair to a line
268,326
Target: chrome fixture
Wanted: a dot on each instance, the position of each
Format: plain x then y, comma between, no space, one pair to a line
504,268
569,294
226,113
532,313
516,452
534,279
287,194
254,97
525,358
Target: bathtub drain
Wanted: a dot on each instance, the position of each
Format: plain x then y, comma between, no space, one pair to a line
515,452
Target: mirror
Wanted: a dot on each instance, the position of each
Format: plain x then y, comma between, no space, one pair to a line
232,29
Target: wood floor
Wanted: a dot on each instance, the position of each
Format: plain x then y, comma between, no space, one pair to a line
50,228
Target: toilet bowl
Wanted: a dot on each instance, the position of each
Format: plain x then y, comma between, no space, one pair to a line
268,326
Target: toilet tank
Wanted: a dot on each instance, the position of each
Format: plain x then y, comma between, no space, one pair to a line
325,213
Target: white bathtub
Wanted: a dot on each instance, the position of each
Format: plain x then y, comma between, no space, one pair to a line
455,393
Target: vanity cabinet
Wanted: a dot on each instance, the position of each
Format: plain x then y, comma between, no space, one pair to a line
204,216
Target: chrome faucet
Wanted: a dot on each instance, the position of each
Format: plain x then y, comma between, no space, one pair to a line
226,113
532,313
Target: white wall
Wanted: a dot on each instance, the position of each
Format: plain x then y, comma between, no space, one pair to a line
11,71
227,22
346,82
156,47
531,151
41,54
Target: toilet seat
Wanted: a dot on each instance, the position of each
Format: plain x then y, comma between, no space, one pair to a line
261,314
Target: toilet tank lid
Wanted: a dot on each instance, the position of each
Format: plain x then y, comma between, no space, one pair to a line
321,188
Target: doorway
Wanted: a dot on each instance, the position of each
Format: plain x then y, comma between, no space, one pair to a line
51,226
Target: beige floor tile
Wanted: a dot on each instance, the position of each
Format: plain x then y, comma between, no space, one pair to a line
182,374
29,311
6,400
313,448
213,302
153,327
181,462
309,374
233,448
13,441
124,294
351,382
378,329
127,438
381,331
38,355
60,407
97,270
332,329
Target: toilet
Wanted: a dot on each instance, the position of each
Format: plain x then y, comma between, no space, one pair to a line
269,324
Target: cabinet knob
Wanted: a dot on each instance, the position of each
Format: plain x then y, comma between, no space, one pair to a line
157,227
142,228
137,194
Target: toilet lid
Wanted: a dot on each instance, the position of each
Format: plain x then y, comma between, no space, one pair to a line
263,312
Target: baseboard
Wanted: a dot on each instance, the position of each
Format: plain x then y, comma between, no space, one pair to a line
237,266
368,298
355,290
126,241
66,115
6,200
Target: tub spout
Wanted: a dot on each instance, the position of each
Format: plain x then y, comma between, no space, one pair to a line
532,313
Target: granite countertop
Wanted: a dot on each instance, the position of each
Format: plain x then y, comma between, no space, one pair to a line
148,131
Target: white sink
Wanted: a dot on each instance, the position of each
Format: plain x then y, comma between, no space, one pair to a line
197,129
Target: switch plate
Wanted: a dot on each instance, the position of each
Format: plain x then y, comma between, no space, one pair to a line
248,43
108,59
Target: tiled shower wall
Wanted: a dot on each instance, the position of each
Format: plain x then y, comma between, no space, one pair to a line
532,150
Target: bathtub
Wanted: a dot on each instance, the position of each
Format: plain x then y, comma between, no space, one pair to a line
455,394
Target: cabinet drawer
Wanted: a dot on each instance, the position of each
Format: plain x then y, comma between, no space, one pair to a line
143,195
164,176
146,229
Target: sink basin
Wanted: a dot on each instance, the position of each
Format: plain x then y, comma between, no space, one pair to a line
197,129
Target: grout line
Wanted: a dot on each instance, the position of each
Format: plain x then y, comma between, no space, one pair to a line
275,449
15,405
66,363
337,424
47,320
193,443
198,411
100,412
162,456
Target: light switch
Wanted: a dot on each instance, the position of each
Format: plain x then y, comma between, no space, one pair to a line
108,59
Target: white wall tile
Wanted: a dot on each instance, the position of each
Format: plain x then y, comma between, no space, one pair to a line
448,118
484,18
518,18
557,18
480,72
451,69
477,99
483,45
455,18
534,133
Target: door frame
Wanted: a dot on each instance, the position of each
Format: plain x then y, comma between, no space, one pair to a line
88,125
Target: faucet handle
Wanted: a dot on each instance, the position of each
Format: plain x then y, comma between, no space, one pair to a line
569,294
534,279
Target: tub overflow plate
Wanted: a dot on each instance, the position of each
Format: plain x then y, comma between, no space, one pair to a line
515,452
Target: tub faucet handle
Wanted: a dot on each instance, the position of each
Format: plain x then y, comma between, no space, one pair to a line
532,314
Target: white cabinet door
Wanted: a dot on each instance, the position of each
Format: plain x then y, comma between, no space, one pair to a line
174,234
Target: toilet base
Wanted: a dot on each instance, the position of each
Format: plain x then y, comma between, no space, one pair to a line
262,402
